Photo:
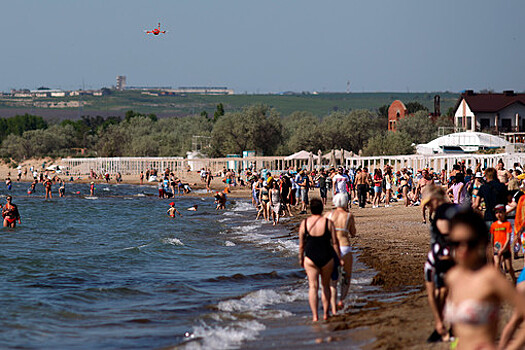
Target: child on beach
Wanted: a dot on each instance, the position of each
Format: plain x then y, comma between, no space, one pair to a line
500,231
172,210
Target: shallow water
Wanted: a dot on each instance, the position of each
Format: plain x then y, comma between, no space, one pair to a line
116,272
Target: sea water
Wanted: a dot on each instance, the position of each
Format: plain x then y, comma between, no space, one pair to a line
114,271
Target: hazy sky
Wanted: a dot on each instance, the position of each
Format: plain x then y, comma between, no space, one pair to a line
265,46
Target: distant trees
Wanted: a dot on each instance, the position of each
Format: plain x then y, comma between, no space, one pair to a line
414,106
256,127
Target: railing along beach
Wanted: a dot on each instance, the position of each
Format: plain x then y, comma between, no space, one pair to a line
134,165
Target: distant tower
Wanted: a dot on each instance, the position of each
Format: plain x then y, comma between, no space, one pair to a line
121,82
348,87
437,106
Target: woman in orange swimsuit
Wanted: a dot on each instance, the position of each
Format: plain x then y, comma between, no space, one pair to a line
10,213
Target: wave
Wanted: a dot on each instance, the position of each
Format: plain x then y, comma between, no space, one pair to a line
172,241
223,337
240,276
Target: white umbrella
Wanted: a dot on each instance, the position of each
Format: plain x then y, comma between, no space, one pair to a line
320,158
310,161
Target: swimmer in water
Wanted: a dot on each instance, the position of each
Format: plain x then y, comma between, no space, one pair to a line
62,189
194,208
10,213
220,200
8,184
172,210
92,189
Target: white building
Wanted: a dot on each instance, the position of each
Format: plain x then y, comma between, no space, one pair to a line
490,111
461,142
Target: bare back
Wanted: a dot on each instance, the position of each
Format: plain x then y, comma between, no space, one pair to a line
344,225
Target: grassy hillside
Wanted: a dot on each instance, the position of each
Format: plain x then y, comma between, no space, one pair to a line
163,106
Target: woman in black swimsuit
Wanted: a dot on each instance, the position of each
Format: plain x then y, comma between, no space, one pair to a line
318,247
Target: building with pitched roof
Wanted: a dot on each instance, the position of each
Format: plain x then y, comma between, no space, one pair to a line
490,112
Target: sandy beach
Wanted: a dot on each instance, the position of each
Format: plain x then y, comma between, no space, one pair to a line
392,241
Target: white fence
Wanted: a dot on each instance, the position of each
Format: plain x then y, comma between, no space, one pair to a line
134,165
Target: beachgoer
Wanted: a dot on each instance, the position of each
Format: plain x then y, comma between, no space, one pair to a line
275,203
264,200
378,187
318,245
193,208
172,210
439,259
500,231
304,187
8,184
141,177
389,181
361,182
492,192
321,179
10,213
47,185
62,189
220,200
515,320
344,223
92,188
476,288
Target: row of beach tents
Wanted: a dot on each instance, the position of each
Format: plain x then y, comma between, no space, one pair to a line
308,159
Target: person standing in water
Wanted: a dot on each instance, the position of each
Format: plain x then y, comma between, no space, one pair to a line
10,213
62,189
92,189
318,246
47,185
172,210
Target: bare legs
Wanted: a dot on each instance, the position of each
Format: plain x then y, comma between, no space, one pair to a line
345,284
313,272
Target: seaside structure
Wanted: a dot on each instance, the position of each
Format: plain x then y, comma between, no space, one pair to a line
462,142
396,112
491,112
121,82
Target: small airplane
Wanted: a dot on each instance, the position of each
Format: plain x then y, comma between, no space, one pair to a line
156,31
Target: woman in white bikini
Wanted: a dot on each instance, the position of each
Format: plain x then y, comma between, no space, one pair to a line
344,229
477,288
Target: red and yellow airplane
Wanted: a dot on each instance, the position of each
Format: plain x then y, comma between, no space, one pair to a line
156,31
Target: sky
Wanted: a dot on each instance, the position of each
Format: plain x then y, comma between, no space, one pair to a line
266,46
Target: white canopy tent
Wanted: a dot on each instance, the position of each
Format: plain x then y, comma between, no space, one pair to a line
461,142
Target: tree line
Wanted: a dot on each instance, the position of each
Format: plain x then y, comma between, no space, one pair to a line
256,127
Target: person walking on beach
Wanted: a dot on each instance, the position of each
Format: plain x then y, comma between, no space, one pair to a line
361,181
439,259
493,193
10,213
378,187
340,183
322,179
304,186
389,181
275,203
500,231
344,223
141,178
318,245
476,288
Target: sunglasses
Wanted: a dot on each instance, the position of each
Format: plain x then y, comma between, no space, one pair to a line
470,243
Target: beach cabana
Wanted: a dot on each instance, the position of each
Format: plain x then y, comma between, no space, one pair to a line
299,159
338,156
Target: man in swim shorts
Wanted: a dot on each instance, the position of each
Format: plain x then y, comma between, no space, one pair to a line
172,210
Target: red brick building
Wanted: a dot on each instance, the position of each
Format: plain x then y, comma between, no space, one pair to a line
396,112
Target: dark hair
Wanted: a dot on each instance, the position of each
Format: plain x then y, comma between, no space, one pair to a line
490,174
473,220
316,206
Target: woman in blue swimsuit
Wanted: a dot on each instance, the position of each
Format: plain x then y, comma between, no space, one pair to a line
318,247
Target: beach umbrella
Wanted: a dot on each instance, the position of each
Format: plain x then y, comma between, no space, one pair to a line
342,157
310,161
320,158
